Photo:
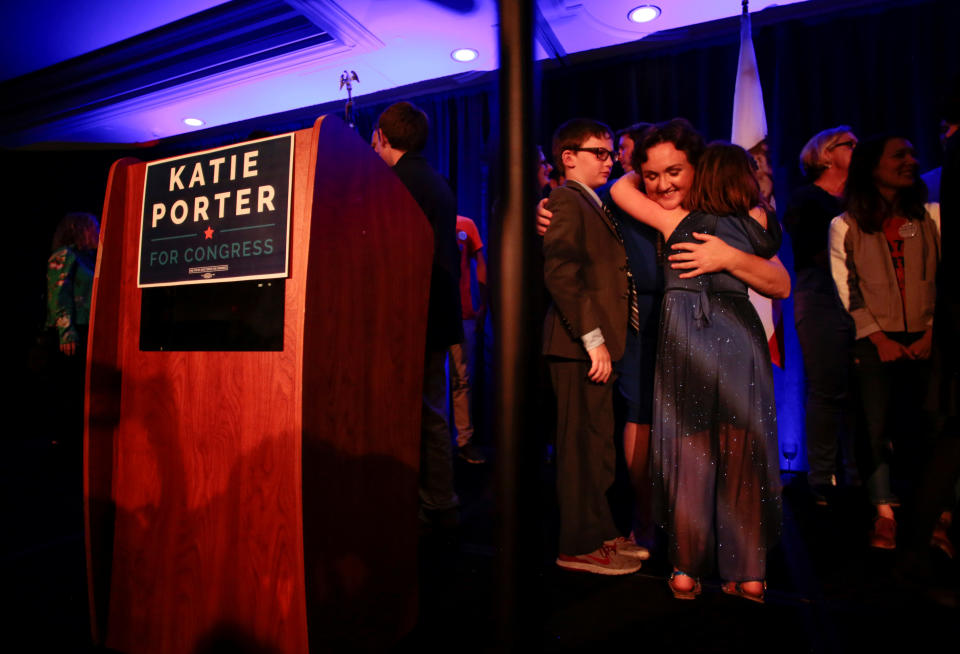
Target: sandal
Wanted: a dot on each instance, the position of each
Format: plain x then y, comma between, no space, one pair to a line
684,594
940,539
735,588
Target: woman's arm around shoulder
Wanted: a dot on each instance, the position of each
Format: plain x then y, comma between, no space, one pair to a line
764,274
712,254
628,196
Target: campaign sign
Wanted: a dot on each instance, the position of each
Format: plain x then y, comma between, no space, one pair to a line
217,216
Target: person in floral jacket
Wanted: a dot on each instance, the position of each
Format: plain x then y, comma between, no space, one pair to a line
70,279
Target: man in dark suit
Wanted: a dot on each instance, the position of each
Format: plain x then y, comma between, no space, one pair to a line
399,138
585,270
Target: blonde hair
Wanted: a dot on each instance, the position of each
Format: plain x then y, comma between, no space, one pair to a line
813,154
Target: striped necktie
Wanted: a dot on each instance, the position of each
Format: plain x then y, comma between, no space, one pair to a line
631,286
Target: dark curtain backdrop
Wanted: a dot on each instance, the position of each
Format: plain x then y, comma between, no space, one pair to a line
879,66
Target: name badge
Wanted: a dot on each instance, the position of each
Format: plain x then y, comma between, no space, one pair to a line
908,230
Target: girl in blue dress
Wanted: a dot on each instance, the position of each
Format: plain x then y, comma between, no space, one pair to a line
714,462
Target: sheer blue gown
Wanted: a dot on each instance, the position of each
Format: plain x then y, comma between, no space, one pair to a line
714,451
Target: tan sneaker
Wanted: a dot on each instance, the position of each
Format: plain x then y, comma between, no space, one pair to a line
627,547
602,561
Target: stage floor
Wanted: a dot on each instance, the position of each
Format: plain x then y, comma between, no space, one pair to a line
828,591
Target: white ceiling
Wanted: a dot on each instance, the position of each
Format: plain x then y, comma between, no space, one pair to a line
388,43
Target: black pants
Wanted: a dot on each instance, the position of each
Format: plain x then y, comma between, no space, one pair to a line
892,396
826,334
586,456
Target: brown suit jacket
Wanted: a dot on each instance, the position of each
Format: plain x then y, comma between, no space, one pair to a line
585,270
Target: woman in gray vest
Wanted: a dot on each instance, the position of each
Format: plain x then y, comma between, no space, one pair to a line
883,257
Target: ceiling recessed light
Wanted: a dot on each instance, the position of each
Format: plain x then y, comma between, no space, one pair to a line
193,122
464,54
644,13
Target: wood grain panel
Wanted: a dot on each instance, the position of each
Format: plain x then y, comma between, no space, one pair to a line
230,491
366,306
102,401
208,546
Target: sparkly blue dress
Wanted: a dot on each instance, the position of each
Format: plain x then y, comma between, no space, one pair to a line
714,451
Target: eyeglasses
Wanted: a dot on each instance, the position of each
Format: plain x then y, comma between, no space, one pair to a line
601,153
843,144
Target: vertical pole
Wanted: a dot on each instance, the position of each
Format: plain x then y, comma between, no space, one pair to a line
519,538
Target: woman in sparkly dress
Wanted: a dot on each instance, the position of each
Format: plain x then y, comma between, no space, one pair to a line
714,429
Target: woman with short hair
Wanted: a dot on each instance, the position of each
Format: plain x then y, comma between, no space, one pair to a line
824,328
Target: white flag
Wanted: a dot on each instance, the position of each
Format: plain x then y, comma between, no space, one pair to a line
749,118
749,130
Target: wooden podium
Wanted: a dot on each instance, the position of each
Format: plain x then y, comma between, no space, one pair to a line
265,500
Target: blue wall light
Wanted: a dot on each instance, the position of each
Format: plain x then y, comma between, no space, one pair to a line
193,122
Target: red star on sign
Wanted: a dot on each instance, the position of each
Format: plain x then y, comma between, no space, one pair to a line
208,233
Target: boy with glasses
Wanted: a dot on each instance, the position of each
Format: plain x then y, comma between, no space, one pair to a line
585,270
